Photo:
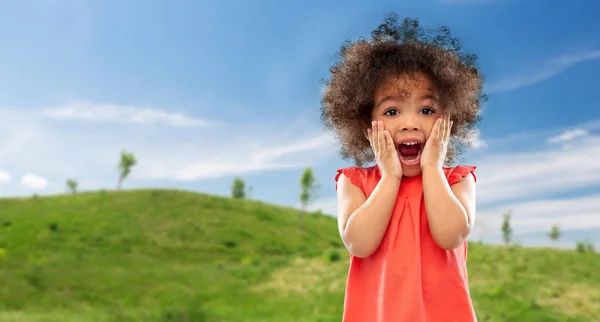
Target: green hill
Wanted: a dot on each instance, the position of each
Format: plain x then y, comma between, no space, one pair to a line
164,255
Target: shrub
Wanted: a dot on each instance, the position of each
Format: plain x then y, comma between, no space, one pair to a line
333,255
585,246
230,244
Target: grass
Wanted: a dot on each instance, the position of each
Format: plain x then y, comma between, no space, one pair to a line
165,255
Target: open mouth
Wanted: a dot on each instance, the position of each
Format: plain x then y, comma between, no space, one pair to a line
410,152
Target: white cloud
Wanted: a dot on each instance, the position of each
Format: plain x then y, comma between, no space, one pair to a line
328,206
34,143
568,136
506,176
549,169
320,141
476,141
34,182
241,159
549,69
540,214
5,177
528,183
89,111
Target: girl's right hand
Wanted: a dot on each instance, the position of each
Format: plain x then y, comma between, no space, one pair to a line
385,150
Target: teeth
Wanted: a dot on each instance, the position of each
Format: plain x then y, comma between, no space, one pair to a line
410,143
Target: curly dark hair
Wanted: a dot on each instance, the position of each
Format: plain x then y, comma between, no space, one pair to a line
400,49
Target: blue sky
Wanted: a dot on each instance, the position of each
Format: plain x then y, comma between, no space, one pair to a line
202,93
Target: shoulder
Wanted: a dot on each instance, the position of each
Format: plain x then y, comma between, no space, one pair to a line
357,176
456,174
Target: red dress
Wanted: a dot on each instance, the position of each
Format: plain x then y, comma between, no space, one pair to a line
409,278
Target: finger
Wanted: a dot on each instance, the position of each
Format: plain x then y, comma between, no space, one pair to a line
446,123
389,142
380,143
374,138
443,130
384,138
370,135
436,129
449,130
433,131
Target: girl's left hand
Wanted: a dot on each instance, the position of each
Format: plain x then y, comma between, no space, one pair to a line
434,152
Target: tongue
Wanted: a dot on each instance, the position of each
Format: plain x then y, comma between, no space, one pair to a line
409,150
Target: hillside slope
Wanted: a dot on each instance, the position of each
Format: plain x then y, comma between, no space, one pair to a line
164,255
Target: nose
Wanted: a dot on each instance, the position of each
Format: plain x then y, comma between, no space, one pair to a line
410,123
410,128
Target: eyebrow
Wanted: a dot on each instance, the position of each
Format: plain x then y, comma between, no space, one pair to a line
389,98
400,98
429,96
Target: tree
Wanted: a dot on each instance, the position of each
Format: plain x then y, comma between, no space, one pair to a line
585,246
72,186
308,187
589,247
238,189
554,233
125,164
506,229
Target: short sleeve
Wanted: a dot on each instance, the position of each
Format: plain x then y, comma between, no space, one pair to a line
456,174
353,173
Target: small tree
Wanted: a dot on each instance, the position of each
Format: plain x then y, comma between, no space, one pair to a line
127,161
506,229
585,246
72,186
554,233
238,188
308,187
589,246
580,246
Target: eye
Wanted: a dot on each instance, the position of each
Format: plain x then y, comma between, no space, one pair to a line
391,112
427,111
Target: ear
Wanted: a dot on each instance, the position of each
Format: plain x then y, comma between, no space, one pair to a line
365,131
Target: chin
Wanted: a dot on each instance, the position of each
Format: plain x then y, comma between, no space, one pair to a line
411,171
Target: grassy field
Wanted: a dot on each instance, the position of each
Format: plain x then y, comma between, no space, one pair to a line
164,255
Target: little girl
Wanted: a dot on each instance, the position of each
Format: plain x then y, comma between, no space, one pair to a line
407,101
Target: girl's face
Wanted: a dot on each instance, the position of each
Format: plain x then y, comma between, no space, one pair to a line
408,108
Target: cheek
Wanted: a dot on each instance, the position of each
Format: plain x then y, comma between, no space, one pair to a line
428,128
